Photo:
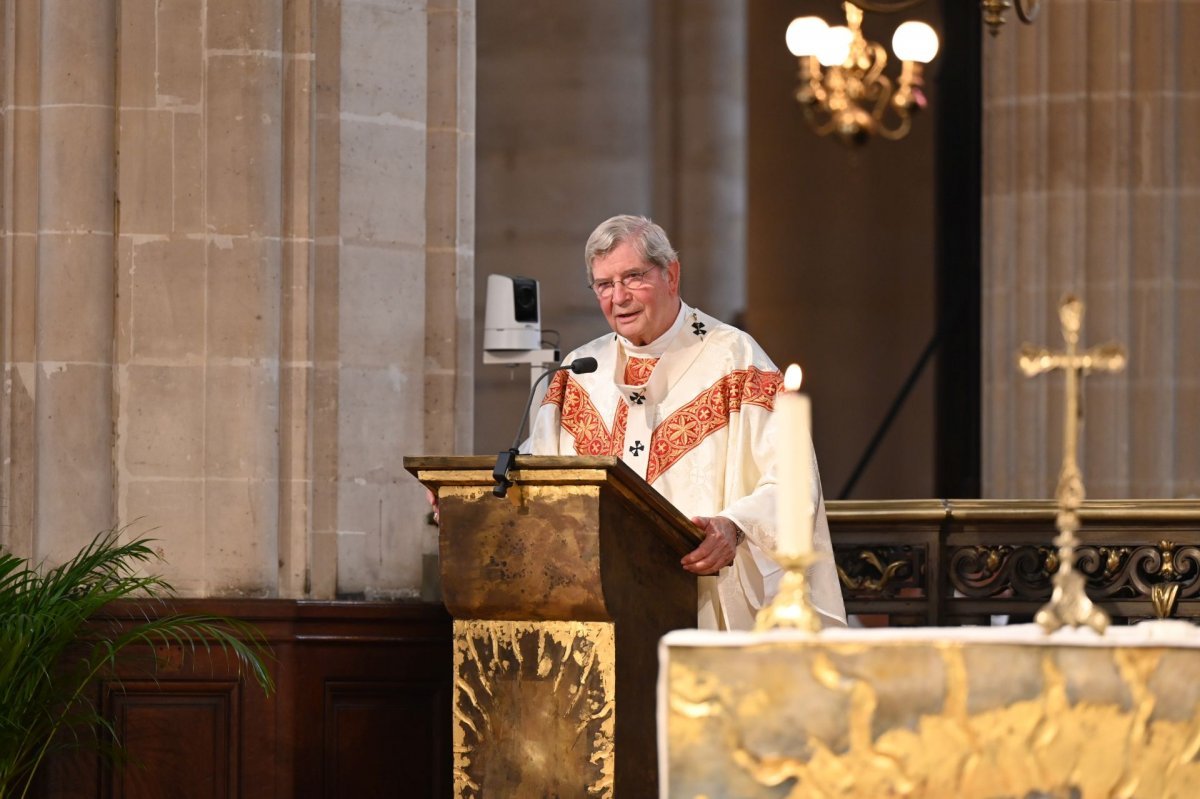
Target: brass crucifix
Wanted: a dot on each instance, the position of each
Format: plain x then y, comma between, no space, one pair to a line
1069,604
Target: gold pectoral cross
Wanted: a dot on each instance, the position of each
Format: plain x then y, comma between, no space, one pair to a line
1069,604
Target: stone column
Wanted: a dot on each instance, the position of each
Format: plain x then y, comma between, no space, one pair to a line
1090,187
75,274
404,273
284,311
18,291
57,298
321,339
298,312
198,334
450,230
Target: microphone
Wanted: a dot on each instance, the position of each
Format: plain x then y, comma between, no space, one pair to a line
504,461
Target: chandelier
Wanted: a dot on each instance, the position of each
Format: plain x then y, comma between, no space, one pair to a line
843,89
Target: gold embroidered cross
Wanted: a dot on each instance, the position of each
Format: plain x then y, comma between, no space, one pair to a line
1069,604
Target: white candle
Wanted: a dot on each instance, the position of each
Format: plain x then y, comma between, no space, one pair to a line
794,503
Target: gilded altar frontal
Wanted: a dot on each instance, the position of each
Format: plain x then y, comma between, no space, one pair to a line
984,715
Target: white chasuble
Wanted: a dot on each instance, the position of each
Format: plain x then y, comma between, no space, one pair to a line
692,414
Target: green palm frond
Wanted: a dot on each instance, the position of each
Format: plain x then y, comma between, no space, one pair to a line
51,648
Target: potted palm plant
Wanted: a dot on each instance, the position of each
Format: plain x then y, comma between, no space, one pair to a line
52,647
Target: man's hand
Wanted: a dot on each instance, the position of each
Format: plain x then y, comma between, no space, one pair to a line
433,502
716,551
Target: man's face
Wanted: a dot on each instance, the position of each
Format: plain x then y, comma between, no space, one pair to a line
640,315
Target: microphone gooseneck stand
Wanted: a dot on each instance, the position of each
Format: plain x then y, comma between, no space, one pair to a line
504,461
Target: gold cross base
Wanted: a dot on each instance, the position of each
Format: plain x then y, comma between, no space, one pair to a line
1069,605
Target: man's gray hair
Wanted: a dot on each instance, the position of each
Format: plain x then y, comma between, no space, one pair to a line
647,238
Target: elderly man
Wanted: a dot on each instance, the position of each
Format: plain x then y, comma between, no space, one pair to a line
686,401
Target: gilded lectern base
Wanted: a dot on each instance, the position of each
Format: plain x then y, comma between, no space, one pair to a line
933,712
534,708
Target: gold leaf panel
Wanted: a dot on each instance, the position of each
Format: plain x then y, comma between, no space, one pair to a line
533,709
932,719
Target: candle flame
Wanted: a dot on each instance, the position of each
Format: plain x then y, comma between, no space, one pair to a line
792,378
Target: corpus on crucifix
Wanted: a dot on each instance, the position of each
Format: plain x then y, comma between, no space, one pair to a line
1069,604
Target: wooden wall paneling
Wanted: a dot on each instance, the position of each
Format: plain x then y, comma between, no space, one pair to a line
383,705
361,709
381,737
184,732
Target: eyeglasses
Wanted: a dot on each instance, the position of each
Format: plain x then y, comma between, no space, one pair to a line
631,281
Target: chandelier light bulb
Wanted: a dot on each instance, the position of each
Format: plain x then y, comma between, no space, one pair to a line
915,41
805,34
835,46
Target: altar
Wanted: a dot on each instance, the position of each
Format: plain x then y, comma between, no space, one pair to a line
966,712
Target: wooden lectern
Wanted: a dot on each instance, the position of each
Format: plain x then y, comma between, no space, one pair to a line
560,592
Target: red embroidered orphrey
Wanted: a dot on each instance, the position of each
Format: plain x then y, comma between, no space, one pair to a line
638,371
581,419
680,433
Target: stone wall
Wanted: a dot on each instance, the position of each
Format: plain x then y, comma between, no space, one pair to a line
1092,187
238,282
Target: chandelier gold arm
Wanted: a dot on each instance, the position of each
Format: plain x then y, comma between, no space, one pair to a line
882,91
822,124
899,132
874,59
